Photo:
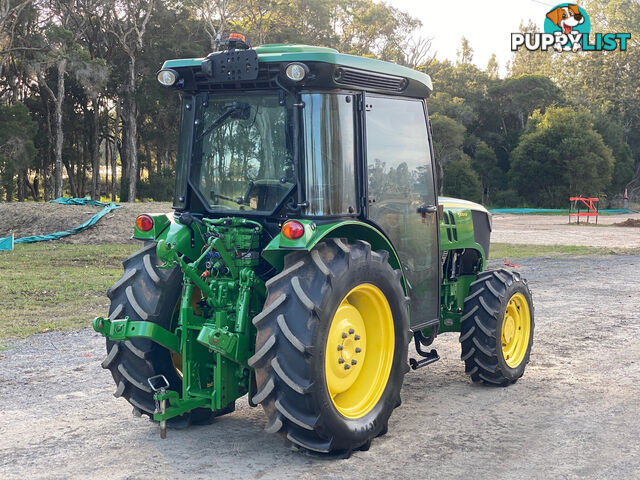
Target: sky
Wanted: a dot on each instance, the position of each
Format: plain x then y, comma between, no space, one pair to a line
487,24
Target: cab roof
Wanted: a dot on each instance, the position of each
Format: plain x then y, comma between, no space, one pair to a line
284,53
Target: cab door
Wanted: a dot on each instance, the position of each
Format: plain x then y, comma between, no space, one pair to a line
401,197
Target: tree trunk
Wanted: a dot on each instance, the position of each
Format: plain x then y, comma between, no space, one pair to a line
112,154
62,66
95,150
106,166
165,160
22,173
46,174
132,131
147,152
35,187
120,146
81,167
72,183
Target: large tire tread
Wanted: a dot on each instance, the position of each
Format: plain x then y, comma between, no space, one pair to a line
483,313
145,292
285,343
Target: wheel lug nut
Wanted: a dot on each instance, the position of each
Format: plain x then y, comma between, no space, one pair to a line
340,347
341,360
347,366
357,337
344,335
353,362
358,349
351,331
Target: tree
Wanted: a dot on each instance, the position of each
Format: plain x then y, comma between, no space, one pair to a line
609,80
485,163
456,108
91,71
17,150
527,62
9,17
465,52
216,16
127,22
493,69
460,180
612,132
60,43
518,97
448,136
560,155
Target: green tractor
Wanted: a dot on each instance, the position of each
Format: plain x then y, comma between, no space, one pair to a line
307,250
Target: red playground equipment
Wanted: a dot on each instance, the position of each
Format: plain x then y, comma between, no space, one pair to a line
589,205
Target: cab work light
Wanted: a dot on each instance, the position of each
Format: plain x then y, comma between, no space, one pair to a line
167,77
296,71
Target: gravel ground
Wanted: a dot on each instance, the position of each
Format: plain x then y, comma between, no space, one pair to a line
575,413
555,230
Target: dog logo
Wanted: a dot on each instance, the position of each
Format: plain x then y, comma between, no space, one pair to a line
567,28
571,21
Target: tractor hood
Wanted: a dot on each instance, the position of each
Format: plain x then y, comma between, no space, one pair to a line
448,202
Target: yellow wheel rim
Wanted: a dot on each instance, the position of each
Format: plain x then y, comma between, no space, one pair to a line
516,330
359,351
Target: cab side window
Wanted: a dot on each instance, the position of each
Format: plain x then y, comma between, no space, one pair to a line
329,154
400,176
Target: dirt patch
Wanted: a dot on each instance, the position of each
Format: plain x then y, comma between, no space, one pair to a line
29,218
629,222
556,230
574,414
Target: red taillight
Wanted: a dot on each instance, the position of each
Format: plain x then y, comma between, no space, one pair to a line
293,229
144,223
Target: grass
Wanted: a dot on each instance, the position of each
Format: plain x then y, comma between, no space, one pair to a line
509,251
47,286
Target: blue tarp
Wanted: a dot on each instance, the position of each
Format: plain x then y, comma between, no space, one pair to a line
7,242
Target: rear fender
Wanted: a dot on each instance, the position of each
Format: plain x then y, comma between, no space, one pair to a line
167,230
352,230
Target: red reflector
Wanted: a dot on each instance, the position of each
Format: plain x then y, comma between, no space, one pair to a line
144,223
293,229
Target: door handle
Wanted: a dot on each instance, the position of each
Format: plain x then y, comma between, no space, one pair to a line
427,209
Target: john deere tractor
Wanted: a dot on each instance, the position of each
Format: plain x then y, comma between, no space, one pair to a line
307,250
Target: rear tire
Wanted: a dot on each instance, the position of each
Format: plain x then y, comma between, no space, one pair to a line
145,292
294,335
496,328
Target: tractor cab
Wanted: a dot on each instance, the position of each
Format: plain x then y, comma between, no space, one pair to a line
295,131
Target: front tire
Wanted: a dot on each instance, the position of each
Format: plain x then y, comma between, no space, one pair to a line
331,347
496,328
